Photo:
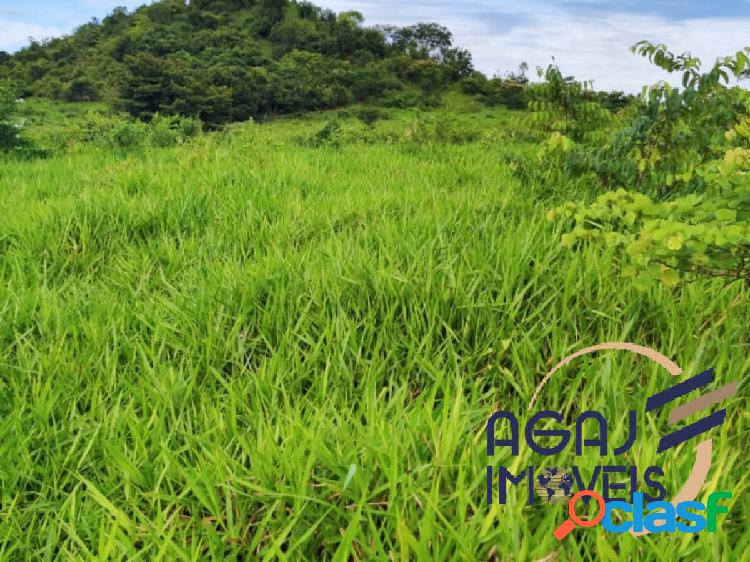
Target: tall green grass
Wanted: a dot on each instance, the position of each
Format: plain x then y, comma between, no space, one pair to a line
247,348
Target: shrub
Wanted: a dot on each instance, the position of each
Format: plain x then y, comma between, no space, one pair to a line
128,134
98,128
510,91
328,135
169,130
474,85
11,133
689,150
163,131
189,127
440,130
398,99
81,89
369,116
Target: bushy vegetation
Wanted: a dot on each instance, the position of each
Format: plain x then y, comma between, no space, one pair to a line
11,134
59,128
679,160
510,90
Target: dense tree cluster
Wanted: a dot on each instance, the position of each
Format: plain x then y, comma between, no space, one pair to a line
510,90
231,59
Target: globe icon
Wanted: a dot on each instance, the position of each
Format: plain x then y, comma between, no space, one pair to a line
554,484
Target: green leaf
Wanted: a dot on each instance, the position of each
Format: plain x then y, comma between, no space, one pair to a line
726,215
670,277
674,243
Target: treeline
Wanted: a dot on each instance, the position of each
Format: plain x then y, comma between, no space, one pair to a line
227,60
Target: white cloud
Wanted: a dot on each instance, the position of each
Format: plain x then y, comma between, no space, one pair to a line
598,47
593,46
15,34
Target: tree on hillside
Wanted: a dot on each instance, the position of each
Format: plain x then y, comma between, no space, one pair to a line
305,81
295,34
272,12
170,85
116,19
431,78
422,40
348,31
459,62
430,40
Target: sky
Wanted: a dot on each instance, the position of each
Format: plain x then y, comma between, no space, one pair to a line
589,39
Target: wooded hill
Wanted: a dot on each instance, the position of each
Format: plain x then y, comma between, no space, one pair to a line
227,60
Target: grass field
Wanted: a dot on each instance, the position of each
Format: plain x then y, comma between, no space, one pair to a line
250,348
